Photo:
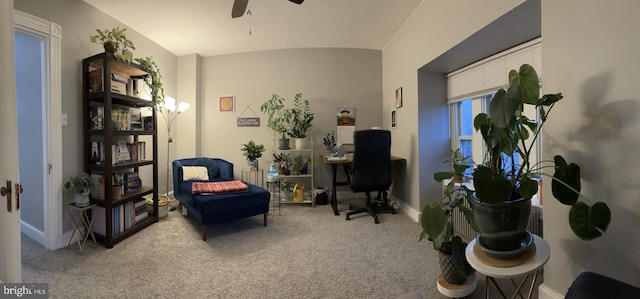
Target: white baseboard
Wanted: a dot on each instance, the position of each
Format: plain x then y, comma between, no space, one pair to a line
32,232
546,293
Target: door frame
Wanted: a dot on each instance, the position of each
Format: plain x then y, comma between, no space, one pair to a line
51,33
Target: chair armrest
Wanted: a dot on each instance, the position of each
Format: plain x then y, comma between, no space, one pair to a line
177,177
225,168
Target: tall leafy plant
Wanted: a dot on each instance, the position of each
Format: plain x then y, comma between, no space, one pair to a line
507,132
301,117
279,116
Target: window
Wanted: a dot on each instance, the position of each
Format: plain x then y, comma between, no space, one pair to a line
471,88
464,135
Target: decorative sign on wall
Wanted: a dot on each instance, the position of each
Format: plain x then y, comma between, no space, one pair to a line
248,121
227,104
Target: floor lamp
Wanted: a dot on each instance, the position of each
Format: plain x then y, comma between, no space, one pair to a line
170,113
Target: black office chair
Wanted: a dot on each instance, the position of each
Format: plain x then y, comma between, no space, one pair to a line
371,170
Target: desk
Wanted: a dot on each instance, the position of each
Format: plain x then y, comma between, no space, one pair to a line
84,219
346,162
532,265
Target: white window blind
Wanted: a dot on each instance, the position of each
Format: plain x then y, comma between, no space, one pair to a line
490,74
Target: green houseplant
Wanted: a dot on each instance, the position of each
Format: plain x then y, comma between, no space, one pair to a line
301,164
301,118
329,142
115,41
252,151
154,79
502,189
82,185
279,118
437,224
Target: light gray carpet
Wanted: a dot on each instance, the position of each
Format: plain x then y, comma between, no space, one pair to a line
303,253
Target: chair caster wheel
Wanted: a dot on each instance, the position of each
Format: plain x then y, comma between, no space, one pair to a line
376,221
348,218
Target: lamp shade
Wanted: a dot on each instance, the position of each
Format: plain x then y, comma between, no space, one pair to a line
183,106
170,104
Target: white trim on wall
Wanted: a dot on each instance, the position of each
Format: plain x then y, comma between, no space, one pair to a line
53,204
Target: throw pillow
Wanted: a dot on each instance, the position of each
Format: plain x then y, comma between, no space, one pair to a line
195,173
210,164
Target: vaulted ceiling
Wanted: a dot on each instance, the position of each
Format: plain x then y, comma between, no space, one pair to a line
205,27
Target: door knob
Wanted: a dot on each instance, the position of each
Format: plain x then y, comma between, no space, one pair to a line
7,191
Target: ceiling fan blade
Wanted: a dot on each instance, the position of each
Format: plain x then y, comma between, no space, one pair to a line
297,1
239,7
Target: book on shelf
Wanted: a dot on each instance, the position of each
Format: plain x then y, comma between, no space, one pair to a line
135,119
123,155
124,217
96,115
95,81
120,118
119,83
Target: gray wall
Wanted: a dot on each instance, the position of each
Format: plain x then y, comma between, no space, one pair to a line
80,20
328,78
595,65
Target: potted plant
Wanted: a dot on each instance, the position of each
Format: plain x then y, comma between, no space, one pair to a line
329,142
286,163
301,164
286,189
115,41
252,151
154,79
301,118
279,118
82,185
437,224
502,189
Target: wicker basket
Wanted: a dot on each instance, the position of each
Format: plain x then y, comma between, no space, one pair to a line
449,272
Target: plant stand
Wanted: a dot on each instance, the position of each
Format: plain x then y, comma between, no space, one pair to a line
85,219
457,290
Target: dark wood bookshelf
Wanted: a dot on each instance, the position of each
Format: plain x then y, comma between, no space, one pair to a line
97,90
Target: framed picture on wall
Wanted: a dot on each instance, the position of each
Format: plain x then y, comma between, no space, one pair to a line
227,104
393,119
399,97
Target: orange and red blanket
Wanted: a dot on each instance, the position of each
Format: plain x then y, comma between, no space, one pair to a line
219,187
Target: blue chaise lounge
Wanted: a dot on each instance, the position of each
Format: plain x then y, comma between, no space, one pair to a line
210,208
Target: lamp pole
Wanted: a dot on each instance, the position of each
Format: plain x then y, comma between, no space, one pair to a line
170,113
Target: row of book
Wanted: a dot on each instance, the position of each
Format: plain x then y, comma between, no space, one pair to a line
120,83
124,216
121,183
123,118
121,153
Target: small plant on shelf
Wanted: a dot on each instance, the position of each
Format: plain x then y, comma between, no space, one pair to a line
115,41
329,141
301,117
301,164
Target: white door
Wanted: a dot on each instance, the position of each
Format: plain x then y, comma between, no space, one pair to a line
10,243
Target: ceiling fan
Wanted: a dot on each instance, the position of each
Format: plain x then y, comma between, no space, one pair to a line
240,6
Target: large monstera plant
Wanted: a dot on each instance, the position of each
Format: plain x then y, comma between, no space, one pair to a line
507,132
